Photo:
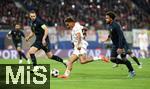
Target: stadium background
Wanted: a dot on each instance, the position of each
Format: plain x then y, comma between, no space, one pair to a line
132,16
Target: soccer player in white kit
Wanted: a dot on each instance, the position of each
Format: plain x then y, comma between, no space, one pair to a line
80,46
143,44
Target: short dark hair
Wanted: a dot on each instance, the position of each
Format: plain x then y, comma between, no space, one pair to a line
111,14
17,23
69,19
32,11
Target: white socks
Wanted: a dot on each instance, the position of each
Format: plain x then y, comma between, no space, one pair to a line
67,72
97,58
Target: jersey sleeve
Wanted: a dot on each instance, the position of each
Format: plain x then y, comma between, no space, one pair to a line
42,24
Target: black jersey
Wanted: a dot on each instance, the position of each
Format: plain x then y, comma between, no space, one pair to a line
116,35
16,35
36,27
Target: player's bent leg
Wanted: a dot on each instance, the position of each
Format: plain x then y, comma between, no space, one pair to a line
32,52
135,59
19,49
85,59
49,55
114,60
54,57
70,62
19,53
129,65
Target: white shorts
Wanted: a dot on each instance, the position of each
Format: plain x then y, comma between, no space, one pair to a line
79,52
143,47
83,49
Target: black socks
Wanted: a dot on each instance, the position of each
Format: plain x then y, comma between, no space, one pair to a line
56,58
21,54
136,60
123,61
33,59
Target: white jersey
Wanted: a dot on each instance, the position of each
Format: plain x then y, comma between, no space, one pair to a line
143,41
78,29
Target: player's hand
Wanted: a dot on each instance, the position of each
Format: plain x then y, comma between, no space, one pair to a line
43,42
119,50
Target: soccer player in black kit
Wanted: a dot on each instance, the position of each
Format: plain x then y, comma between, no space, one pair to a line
119,43
16,35
40,30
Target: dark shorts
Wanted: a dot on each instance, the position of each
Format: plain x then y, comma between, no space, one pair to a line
18,44
128,50
115,54
39,45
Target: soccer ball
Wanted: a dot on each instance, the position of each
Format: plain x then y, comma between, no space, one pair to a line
54,72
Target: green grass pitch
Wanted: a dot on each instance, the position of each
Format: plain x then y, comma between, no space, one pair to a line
97,75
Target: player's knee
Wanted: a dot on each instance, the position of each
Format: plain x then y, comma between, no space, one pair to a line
31,52
69,63
82,59
18,49
132,55
82,62
49,55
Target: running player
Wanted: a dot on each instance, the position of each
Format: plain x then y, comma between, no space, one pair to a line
80,46
16,35
119,43
40,30
143,43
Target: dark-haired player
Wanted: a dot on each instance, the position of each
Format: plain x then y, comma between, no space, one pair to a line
80,46
16,35
119,43
40,30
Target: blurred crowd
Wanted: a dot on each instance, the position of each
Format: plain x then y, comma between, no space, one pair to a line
90,13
